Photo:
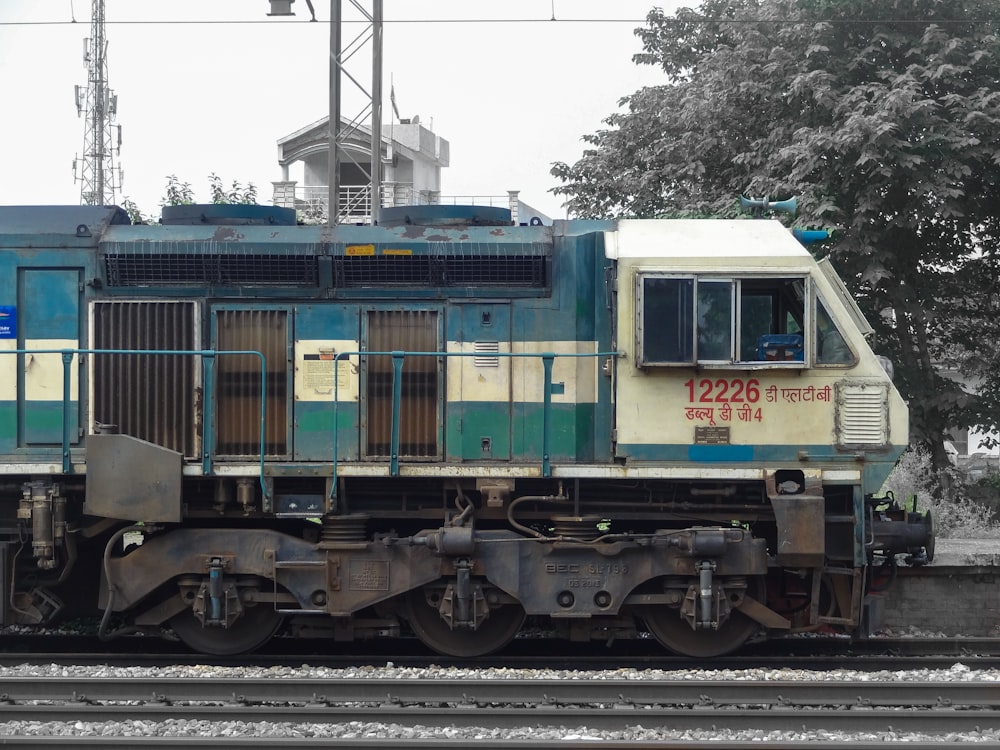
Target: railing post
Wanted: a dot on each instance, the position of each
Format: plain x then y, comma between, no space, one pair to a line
208,412
67,360
397,397
548,358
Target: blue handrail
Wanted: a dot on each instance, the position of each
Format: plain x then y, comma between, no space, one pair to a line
208,358
548,359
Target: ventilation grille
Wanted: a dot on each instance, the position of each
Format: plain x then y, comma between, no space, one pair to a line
462,269
238,382
211,269
482,350
412,331
148,396
863,414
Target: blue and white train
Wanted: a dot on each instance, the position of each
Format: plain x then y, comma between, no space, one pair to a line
231,427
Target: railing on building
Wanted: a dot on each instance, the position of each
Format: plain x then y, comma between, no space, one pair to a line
311,201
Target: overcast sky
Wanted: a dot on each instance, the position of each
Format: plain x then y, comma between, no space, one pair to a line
210,86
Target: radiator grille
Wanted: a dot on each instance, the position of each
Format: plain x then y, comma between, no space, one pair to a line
238,380
455,269
151,397
403,330
210,269
863,414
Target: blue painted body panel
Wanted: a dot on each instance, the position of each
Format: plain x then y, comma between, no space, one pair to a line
574,306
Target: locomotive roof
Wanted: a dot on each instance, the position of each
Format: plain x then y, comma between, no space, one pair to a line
703,239
58,220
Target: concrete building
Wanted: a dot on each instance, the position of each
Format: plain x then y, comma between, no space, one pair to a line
412,160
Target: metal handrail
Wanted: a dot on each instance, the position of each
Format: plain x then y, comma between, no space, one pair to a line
548,359
398,357
355,200
208,360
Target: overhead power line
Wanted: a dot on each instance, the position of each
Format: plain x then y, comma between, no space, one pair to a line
540,21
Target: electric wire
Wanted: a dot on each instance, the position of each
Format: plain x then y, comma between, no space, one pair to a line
544,21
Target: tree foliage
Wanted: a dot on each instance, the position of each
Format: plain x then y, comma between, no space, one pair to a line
182,194
883,118
178,193
237,193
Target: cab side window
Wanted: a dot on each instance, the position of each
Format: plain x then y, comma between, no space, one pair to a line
715,320
831,345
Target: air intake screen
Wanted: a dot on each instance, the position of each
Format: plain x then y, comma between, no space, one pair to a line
151,397
414,331
461,269
186,269
239,382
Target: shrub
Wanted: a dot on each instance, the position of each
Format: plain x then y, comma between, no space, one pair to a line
959,507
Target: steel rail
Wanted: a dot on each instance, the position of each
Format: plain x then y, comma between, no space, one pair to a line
636,693
423,743
817,663
818,654
578,719
934,708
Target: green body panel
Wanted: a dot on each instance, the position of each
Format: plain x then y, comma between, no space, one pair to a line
314,428
43,423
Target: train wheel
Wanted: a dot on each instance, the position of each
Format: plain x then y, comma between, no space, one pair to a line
251,631
674,633
493,633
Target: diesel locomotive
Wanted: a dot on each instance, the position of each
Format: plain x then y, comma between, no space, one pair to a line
228,427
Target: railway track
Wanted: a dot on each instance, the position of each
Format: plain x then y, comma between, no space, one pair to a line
500,704
814,653
392,743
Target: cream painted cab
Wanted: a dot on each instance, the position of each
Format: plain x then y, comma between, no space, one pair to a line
738,347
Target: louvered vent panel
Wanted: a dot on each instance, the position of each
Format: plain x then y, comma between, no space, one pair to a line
238,382
139,267
482,350
151,397
862,414
452,266
412,331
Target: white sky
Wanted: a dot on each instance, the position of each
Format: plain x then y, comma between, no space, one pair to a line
196,97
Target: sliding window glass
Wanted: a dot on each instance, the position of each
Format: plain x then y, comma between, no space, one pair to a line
665,320
715,320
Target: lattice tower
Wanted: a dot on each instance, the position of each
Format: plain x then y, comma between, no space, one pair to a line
96,170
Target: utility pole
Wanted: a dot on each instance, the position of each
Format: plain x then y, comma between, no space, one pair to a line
370,32
98,105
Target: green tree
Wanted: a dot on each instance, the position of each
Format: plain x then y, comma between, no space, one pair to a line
134,212
178,193
882,117
182,194
237,193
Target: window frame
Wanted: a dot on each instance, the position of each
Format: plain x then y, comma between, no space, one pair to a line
737,293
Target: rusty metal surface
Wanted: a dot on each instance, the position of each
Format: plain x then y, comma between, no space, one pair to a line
148,396
133,480
801,529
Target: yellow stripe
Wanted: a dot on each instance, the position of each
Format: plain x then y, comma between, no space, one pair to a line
8,370
43,373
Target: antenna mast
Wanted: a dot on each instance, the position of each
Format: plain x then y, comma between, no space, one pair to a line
102,139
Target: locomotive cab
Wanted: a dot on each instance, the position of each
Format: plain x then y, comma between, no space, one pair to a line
768,394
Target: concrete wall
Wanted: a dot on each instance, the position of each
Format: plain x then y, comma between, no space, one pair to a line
958,594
